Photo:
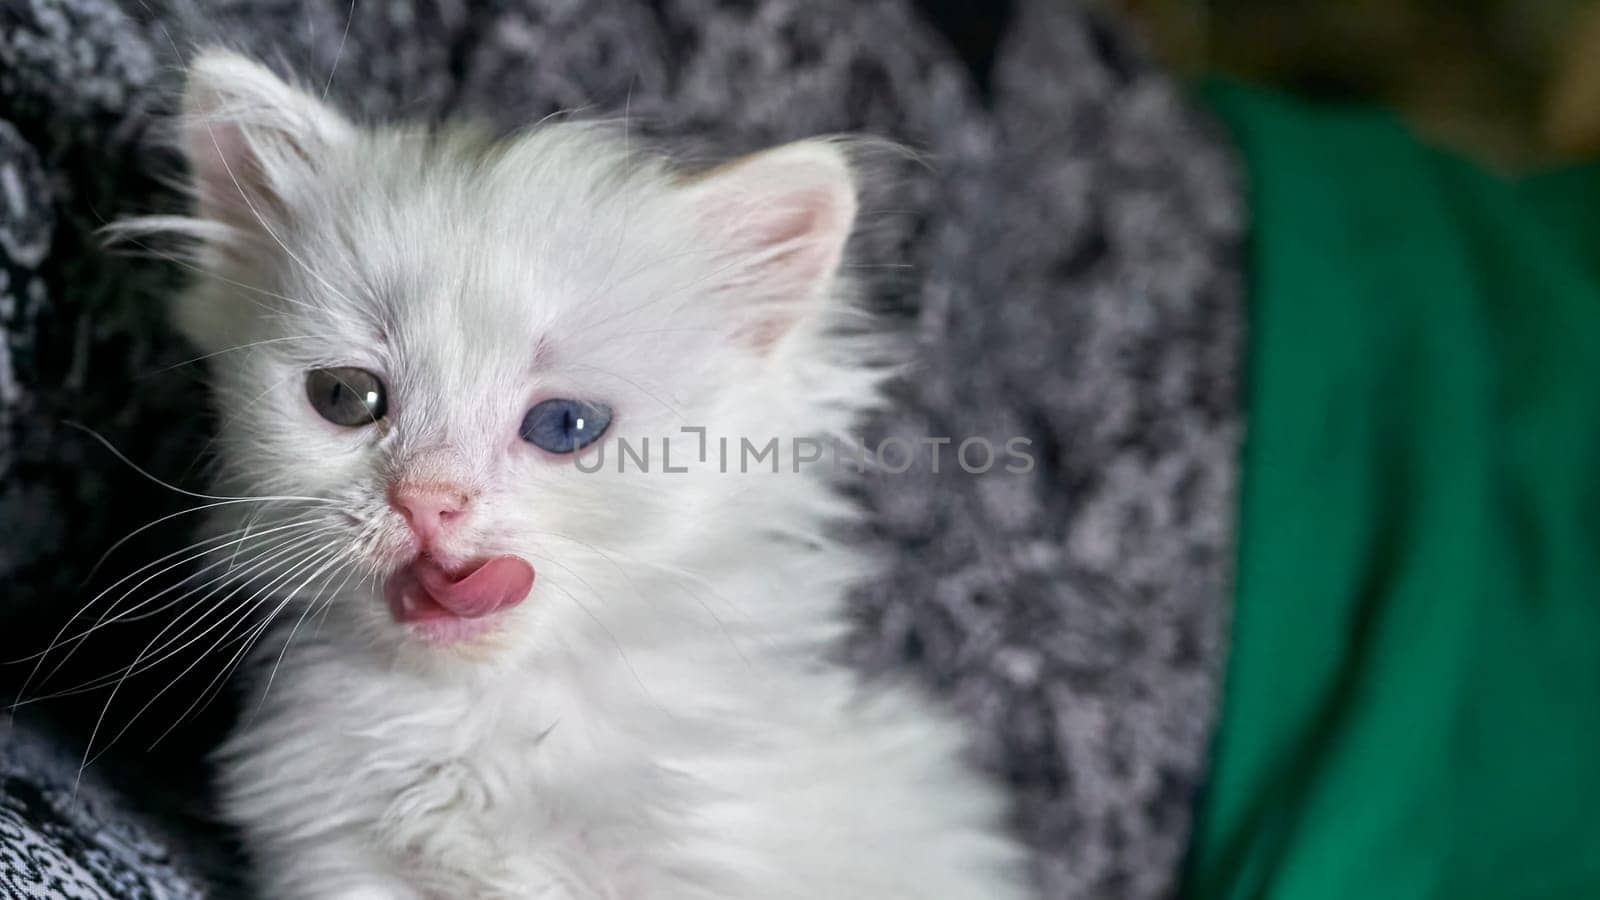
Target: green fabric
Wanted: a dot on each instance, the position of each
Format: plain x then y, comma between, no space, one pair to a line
1413,699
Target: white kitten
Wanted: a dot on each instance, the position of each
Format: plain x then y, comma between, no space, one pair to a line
506,676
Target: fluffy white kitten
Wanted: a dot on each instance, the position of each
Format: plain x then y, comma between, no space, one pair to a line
506,676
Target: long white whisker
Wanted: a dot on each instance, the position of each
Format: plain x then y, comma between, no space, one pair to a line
228,564
245,196
238,411
305,547
135,573
211,132
202,548
244,649
171,487
335,560
306,559
159,654
339,53
57,640
167,518
315,555
119,234
249,345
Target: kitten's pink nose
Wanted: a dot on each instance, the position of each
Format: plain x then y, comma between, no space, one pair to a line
429,508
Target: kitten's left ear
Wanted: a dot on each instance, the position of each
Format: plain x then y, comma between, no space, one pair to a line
249,137
783,215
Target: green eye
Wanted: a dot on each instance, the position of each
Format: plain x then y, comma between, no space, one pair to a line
347,396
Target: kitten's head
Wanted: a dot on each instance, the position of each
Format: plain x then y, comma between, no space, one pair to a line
417,336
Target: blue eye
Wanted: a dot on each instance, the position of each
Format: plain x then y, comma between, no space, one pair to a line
565,426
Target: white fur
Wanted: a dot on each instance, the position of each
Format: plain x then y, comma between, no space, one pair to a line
660,718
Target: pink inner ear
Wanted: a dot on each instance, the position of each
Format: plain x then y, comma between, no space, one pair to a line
764,333
794,243
244,129
793,217
228,179
793,259
787,213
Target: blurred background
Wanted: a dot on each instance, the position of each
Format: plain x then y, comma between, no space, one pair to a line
1513,82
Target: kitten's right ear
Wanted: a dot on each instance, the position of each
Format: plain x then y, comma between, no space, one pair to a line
249,137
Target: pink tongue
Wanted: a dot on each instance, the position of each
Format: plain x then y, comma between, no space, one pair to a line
501,582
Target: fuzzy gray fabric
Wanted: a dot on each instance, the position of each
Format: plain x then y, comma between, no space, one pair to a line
69,838
1067,259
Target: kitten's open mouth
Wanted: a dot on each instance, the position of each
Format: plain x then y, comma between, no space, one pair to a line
441,602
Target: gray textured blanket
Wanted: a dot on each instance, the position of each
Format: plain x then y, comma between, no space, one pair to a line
1067,259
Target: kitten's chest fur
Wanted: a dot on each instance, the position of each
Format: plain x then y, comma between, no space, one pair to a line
508,816
709,765
501,789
